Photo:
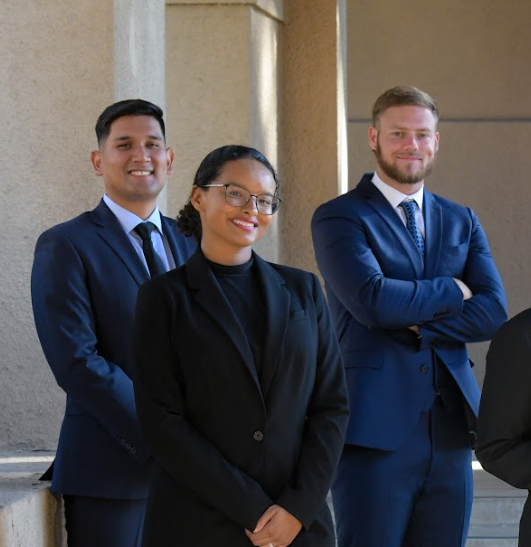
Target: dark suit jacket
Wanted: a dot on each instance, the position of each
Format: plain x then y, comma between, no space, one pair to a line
227,443
504,425
85,279
378,285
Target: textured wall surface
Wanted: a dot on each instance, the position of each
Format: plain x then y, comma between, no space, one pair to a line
474,61
310,146
213,54
56,77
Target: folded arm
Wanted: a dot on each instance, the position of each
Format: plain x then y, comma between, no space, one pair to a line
484,313
349,266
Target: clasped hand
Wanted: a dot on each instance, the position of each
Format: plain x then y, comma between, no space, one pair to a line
276,526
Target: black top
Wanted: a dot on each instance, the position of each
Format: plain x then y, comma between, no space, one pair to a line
241,287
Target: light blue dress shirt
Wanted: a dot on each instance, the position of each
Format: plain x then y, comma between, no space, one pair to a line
129,221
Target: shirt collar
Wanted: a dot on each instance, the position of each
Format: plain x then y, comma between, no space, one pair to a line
394,197
128,220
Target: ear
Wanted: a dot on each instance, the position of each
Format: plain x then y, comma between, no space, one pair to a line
96,162
170,157
196,198
436,141
373,137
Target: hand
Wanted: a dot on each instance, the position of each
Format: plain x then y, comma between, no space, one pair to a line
276,526
414,328
467,293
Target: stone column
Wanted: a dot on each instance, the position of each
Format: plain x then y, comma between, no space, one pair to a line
139,54
222,71
314,162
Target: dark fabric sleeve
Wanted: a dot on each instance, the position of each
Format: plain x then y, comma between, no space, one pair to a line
325,426
504,423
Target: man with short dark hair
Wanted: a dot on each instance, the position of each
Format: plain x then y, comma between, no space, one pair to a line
85,279
410,280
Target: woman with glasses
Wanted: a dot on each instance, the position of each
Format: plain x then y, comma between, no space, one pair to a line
239,382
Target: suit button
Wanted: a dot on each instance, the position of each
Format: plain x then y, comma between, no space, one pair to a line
122,442
128,446
133,451
258,436
424,369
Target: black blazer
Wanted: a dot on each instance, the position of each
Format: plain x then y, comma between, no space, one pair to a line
504,423
227,443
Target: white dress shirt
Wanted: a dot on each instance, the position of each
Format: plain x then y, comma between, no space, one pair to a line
395,198
129,221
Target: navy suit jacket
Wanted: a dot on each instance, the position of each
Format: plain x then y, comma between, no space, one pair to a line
85,279
378,285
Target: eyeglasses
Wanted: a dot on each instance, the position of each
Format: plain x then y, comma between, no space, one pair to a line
238,197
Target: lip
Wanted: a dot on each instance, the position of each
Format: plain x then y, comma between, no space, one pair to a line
245,224
409,158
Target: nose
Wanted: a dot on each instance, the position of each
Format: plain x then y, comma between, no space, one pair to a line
252,204
411,142
141,154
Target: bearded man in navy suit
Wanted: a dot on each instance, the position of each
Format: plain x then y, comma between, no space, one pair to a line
85,280
410,280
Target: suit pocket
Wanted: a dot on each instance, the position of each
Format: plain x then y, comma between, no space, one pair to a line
297,315
363,359
456,249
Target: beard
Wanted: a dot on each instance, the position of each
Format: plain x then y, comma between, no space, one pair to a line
402,177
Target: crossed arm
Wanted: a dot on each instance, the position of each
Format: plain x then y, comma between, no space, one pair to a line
444,309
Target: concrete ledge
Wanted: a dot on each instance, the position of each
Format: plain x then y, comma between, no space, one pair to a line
30,515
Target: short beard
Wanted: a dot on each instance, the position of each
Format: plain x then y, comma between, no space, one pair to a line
394,173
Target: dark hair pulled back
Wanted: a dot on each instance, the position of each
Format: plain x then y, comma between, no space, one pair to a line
189,220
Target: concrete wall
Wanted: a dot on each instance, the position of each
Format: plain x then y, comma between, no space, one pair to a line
56,76
473,57
313,114
222,87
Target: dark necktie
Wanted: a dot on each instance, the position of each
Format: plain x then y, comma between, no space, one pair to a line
411,224
154,262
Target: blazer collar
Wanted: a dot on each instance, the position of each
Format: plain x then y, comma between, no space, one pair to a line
433,221
111,231
277,300
379,203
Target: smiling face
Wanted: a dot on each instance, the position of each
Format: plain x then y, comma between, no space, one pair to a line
134,163
405,143
228,231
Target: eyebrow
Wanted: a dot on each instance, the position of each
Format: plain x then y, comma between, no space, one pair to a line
240,186
409,129
127,137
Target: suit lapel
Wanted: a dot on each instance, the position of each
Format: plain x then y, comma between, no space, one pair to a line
379,203
277,305
111,231
211,298
433,222
180,252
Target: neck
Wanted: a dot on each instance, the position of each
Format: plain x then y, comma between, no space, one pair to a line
142,209
224,256
406,188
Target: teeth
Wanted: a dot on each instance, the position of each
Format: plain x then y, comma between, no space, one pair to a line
243,223
141,173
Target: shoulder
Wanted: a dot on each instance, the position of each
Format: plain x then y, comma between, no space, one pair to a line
517,326
295,277
70,229
353,203
451,207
